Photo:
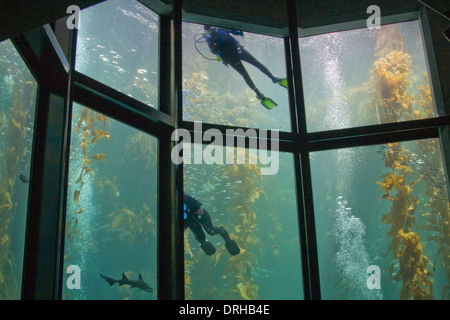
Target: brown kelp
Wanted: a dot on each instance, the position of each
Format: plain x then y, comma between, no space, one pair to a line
124,221
109,209
406,245
88,123
238,189
144,147
245,182
438,219
394,103
433,175
128,225
15,149
187,269
424,100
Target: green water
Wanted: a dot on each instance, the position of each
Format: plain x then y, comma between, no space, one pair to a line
259,212
111,224
17,103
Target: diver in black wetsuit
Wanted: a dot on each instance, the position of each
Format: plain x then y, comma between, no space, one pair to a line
230,52
196,218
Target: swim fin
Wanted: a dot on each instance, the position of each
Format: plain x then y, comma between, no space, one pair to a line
282,82
232,247
208,248
268,103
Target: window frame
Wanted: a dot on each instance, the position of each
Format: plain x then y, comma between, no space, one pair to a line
45,280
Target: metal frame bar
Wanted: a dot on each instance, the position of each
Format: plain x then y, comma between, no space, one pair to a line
305,204
119,106
42,260
60,86
170,219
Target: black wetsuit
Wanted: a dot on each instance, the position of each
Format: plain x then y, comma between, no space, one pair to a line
198,219
224,45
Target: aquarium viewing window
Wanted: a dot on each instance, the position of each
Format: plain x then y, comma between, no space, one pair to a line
110,222
365,76
118,46
259,213
215,93
384,206
17,109
91,196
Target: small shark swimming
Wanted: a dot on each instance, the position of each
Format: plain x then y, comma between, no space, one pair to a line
140,284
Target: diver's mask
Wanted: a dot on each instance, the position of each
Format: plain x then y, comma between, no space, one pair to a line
199,212
185,211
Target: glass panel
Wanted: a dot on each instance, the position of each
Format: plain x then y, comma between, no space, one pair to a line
111,224
17,108
118,45
385,206
214,93
365,77
259,212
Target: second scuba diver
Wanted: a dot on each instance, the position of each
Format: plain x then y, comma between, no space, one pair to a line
197,219
231,53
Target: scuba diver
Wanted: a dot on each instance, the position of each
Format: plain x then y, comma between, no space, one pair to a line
195,217
230,52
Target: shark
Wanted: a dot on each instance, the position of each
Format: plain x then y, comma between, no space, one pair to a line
139,284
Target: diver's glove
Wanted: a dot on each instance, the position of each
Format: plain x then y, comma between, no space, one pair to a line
237,33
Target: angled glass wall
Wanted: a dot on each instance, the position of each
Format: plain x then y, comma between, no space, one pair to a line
118,46
377,204
111,223
365,77
259,212
383,207
218,84
17,108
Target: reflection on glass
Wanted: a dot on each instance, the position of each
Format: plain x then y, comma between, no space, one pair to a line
222,92
111,208
365,77
118,45
17,107
260,215
385,206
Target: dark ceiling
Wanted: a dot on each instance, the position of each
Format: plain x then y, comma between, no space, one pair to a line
19,16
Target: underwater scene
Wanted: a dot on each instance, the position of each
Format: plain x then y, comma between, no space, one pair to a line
117,44
385,206
215,93
111,215
260,214
17,108
365,76
379,207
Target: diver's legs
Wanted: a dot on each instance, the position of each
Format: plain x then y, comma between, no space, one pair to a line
207,247
231,245
196,228
247,57
239,67
207,224
205,221
225,235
